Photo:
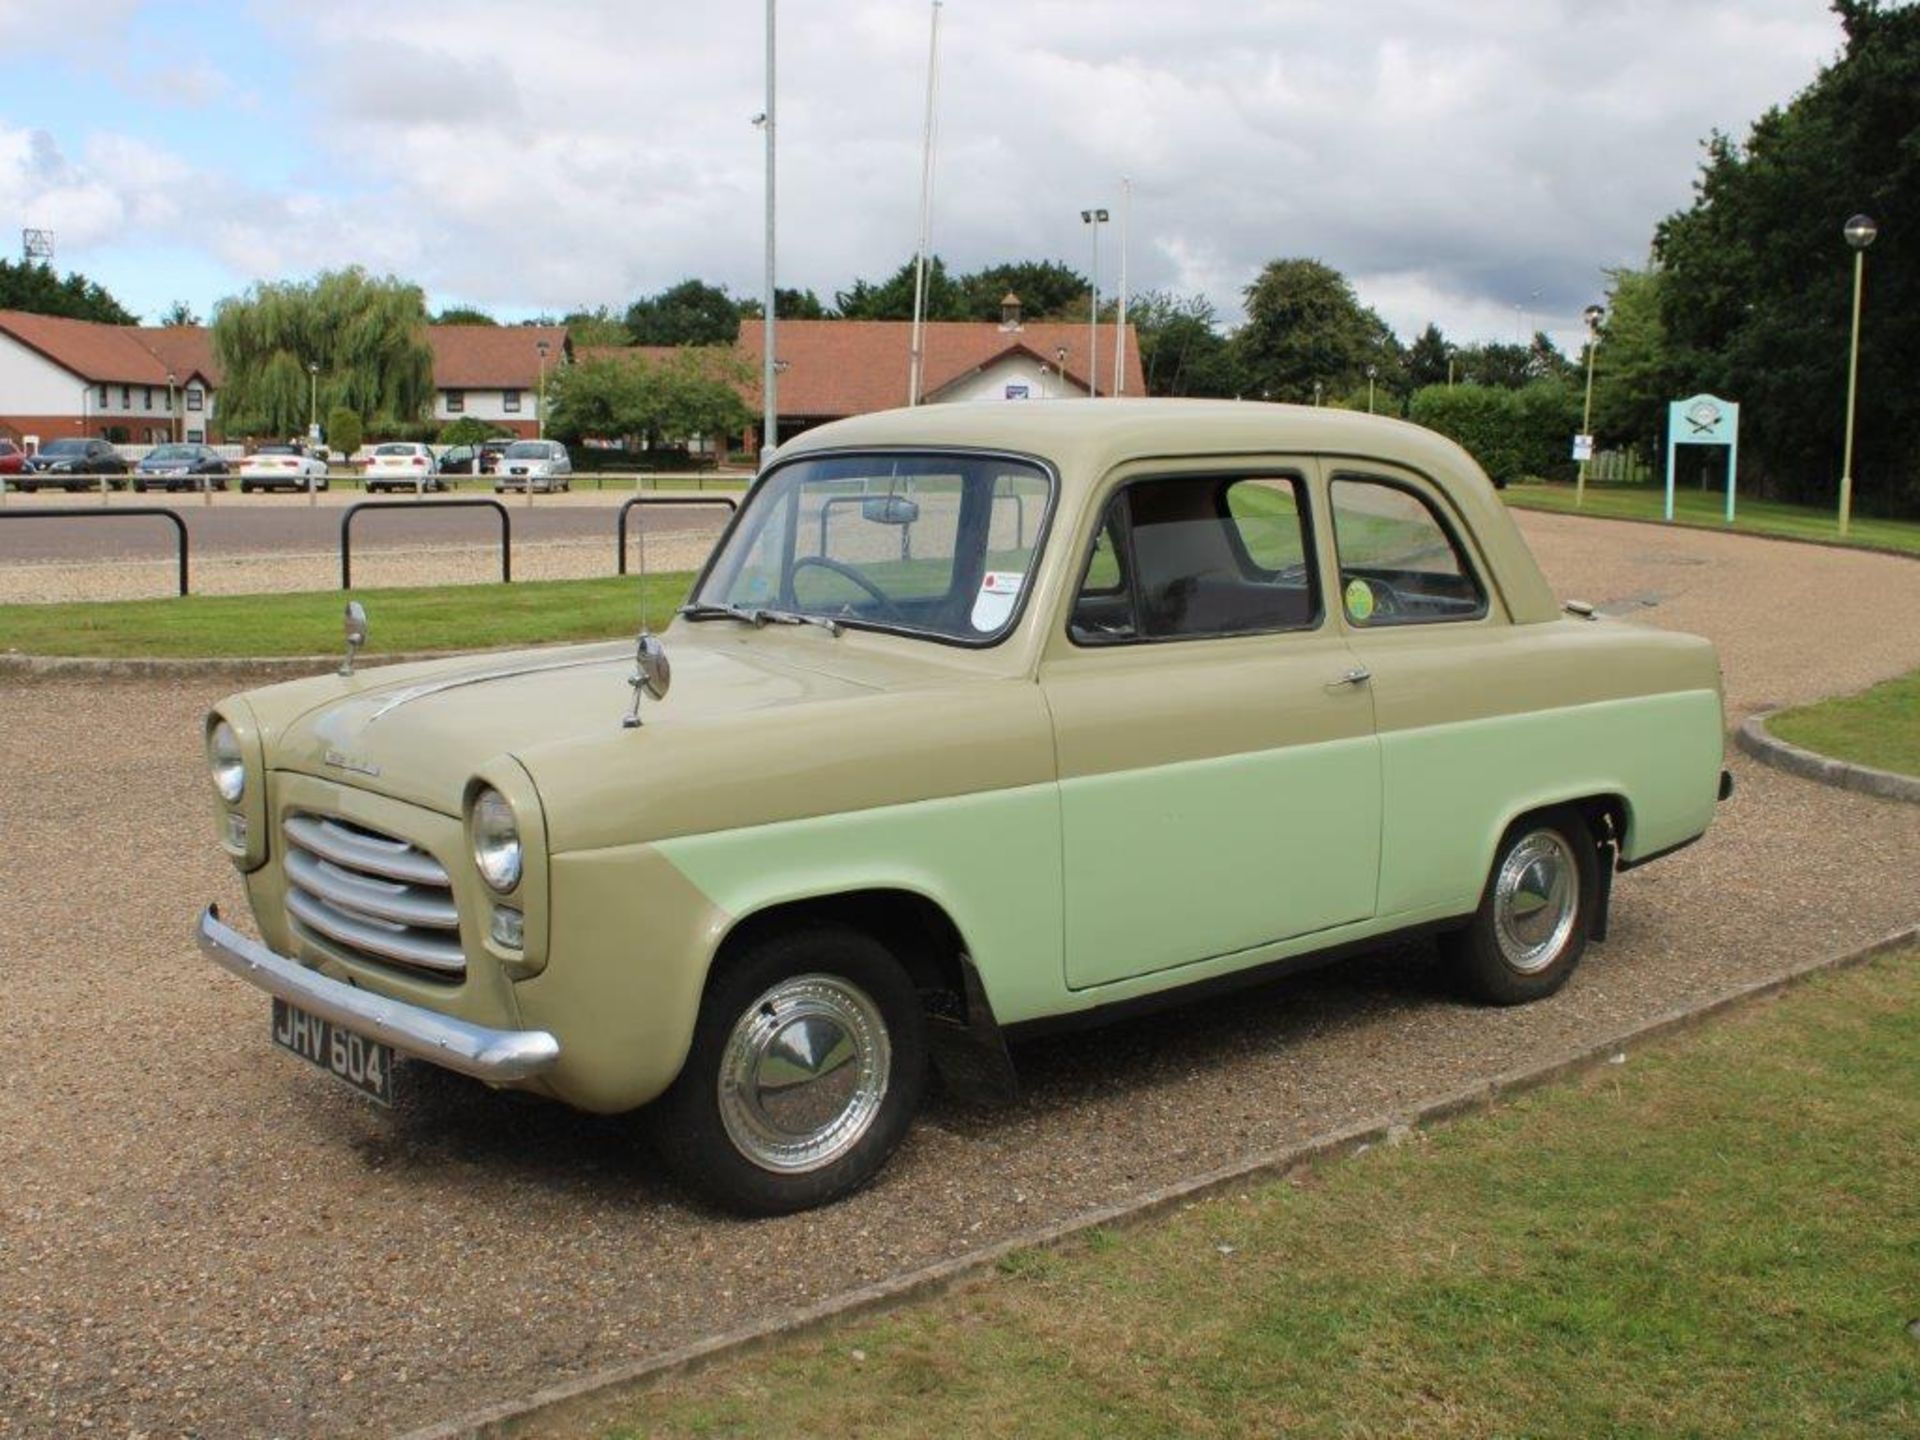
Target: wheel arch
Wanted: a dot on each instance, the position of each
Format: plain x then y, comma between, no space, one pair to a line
968,1048
1608,813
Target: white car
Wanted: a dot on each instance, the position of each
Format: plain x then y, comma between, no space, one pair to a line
402,465
533,465
283,467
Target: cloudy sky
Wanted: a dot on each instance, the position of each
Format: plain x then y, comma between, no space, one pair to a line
1476,163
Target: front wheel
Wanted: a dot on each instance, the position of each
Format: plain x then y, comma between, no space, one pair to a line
1535,913
807,1064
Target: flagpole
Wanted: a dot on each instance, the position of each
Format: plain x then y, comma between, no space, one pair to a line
915,356
1120,319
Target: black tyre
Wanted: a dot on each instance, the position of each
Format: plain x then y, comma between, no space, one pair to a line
140,487
1535,913
807,1065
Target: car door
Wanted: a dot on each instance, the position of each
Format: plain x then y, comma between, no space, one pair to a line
1447,671
1218,770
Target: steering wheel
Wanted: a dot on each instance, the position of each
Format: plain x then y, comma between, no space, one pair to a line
848,573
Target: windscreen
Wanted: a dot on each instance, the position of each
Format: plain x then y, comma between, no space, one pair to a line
937,545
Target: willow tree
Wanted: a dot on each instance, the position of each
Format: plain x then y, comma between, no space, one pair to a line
367,335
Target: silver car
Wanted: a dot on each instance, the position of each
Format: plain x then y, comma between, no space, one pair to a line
533,465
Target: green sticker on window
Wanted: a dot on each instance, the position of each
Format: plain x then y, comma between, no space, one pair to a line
1359,599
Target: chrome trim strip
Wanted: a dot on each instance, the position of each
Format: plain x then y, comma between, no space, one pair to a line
487,1054
374,938
382,900
394,859
512,672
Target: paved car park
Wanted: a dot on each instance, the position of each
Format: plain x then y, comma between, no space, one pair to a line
197,1236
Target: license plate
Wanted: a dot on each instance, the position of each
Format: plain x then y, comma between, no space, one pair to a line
366,1065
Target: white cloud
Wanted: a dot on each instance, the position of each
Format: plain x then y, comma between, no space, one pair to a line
1453,160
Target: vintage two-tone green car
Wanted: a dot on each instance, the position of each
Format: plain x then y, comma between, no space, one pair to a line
982,719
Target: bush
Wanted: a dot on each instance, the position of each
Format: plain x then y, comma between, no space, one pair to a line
344,431
468,430
1511,433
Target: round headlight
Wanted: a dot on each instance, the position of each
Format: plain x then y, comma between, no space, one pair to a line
228,765
496,841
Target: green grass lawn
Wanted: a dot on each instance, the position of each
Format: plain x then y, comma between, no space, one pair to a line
1708,509
446,617
1720,1237
1878,727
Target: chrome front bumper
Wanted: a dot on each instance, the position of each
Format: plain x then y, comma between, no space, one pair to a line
499,1056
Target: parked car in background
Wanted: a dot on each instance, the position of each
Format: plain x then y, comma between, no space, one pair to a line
459,460
180,467
403,465
533,465
12,458
989,719
283,467
72,465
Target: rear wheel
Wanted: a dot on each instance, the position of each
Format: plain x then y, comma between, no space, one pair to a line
807,1064
1535,912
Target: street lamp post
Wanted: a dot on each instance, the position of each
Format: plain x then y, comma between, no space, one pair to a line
540,348
1593,315
1060,366
1859,231
173,409
313,400
1372,371
1094,219
769,374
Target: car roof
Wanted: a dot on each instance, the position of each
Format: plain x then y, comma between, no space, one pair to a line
1084,439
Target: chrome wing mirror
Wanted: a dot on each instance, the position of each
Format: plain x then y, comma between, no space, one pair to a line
356,628
652,675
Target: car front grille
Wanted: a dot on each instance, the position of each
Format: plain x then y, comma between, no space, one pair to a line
371,896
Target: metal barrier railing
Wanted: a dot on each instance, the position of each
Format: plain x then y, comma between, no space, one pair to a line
64,512
438,503
620,525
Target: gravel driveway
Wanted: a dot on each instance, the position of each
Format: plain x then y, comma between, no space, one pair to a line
201,1237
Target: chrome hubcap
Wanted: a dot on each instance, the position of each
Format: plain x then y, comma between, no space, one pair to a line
804,1073
1535,899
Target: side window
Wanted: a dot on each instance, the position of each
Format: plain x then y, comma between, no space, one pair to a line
1194,556
1399,562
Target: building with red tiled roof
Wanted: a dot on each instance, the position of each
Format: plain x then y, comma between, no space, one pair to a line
830,369
495,373
62,378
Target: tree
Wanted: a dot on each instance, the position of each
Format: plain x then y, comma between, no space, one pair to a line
463,315
1634,376
690,313
1755,294
470,430
1182,351
367,335
787,305
34,287
179,313
1305,327
694,392
597,327
1502,366
1047,289
344,431
1429,358
892,298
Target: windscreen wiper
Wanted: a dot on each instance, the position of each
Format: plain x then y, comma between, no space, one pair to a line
758,616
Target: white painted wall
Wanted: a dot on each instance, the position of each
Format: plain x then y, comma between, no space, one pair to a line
488,405
31,384
1010,374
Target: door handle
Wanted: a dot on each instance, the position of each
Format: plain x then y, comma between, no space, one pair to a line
1359,675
